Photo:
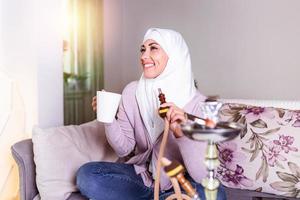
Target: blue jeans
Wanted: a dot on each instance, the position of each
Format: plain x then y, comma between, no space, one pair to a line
118,181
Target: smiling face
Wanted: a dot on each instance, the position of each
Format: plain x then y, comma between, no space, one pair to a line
153,59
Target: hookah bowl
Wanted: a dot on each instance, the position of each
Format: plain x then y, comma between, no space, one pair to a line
223,131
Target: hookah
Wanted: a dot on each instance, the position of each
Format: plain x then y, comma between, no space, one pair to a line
208,129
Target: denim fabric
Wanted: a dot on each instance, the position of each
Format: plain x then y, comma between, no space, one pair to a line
118,181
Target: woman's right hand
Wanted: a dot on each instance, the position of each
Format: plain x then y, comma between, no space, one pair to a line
94,103
176,116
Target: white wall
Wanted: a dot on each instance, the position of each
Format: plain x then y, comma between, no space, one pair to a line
18,52
1,41
239,49
31,54
49,62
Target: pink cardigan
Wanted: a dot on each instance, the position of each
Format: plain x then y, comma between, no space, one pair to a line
128,135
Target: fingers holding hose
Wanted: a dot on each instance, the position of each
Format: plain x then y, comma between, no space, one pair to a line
175,116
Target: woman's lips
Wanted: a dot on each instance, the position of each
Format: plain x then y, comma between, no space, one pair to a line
148,65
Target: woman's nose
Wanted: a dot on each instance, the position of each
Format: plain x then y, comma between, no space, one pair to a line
145,55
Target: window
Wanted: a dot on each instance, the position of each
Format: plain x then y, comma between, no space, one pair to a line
83,58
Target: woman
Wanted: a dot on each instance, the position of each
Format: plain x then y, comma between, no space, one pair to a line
136,133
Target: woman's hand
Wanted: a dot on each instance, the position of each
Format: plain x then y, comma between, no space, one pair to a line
94,103
175,116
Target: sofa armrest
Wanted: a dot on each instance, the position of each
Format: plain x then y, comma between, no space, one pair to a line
23,154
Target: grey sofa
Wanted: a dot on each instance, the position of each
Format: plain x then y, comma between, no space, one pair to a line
23,154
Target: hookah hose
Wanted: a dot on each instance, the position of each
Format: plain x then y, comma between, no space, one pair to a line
163,161
167,163
160,155
162,113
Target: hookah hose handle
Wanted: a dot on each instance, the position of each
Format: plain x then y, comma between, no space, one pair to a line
175,169
162,111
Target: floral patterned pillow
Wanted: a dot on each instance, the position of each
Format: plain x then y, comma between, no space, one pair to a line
266,156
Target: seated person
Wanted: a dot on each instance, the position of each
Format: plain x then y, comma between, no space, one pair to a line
137,132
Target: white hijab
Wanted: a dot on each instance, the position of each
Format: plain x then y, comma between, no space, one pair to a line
176,81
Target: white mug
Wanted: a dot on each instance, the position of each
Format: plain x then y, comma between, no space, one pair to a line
107,106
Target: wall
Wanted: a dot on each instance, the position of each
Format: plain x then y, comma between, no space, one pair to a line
1,40
239,49
18,52
31,57
112,22
49,56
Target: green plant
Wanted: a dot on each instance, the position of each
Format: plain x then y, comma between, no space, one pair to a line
77,77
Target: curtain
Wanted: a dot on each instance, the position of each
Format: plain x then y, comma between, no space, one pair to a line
83,62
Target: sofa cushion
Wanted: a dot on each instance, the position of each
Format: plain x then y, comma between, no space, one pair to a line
60,151
265,157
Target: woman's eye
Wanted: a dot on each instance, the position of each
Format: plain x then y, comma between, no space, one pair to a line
142,50
153,48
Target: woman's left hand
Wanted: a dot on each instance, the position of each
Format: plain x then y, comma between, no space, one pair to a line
175,116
